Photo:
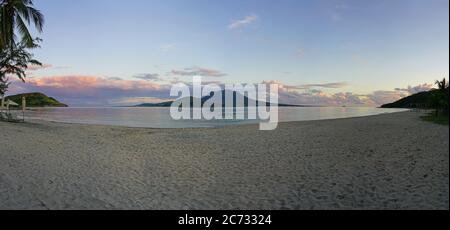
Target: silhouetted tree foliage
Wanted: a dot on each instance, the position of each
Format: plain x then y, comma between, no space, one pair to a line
16,39
15,17
439,100
15,61
3,84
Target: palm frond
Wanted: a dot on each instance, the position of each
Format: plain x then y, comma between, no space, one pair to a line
17,16
23,29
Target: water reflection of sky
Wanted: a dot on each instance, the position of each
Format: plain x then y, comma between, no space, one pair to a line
160,117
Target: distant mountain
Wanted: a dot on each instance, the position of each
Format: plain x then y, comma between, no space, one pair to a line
418,100
162,104
36,100
206,98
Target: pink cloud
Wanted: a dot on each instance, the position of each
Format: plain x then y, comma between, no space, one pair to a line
199,71
39,67
243,22
95,90
416,89
76,89
91,82
310,95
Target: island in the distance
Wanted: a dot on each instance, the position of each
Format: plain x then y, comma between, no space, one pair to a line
206,98
36,100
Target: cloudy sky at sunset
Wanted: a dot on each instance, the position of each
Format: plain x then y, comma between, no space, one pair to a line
322,52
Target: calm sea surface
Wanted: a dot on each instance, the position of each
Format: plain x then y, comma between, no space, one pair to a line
160,117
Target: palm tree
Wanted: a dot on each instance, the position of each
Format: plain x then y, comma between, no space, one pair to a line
439,98
15,15
15,61
442,85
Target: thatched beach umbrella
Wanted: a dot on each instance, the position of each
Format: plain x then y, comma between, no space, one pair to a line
10,103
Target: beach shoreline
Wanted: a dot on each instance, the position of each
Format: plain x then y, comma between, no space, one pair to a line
387,161
206,125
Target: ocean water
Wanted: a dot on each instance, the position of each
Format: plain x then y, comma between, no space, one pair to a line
160,117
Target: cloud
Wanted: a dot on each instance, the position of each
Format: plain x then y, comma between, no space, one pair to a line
115,78
243,22
334,85
62,67
127,101
416,89
148,77
168,47
311,95
90,90
321,98
384,97
39,67
78,90
282,86
34,68
199,71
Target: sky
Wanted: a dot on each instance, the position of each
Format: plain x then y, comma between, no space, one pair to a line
321,52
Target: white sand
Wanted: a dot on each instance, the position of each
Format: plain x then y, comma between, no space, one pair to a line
393,161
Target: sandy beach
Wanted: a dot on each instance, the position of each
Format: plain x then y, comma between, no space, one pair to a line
392,161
